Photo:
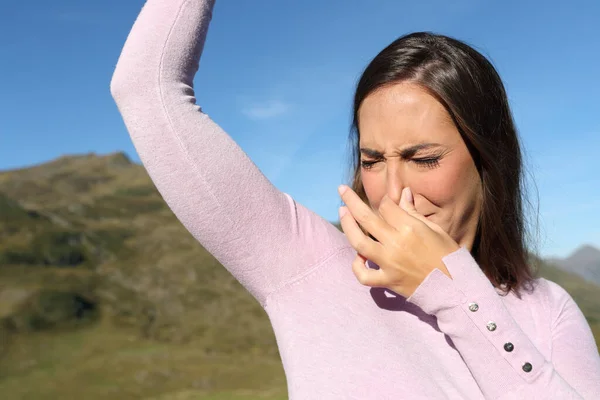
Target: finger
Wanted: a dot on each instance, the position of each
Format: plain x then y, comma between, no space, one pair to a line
363,244
407,203
364,215
367,276
395,216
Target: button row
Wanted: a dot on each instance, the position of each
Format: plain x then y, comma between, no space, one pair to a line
491,326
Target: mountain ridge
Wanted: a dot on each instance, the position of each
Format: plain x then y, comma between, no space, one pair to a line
583,261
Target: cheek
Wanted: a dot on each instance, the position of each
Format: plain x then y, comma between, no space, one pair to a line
374,189
443,185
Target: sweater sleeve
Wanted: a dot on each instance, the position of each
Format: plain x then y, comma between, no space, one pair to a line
502,359
261,235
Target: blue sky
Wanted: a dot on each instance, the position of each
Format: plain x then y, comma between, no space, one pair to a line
278,77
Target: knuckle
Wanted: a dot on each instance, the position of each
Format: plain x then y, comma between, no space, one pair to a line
407,229
385,204
359,271
361,245
361,278
397,242
363,215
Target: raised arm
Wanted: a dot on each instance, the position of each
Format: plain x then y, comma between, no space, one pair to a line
261,235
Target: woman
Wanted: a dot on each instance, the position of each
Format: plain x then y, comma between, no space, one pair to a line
434,207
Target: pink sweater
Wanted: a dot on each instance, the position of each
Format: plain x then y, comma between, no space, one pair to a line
337,338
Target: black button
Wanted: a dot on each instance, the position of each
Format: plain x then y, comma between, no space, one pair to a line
527,367
508,346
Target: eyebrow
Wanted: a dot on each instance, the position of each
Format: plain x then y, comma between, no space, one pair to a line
405,153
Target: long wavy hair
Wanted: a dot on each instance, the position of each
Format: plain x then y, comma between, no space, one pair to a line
470,89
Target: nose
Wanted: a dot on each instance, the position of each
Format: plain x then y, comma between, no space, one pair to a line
396,180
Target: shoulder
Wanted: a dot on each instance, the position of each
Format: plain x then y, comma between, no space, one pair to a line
540,293
555,294
553,297
544,290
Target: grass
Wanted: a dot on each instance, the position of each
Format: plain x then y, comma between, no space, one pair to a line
197,395
102,362
194,395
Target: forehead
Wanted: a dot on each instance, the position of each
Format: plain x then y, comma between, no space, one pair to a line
404,114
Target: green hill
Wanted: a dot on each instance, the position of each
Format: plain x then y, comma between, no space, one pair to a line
102,287
104,292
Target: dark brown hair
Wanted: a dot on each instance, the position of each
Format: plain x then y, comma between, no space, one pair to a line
471,90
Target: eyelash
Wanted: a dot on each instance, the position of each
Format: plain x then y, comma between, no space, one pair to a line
431,162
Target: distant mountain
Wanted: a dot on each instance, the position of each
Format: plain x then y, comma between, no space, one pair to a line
585,262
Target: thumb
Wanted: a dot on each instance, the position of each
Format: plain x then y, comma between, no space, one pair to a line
407,203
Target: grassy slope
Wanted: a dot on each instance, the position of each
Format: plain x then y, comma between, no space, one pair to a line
173,323
101,362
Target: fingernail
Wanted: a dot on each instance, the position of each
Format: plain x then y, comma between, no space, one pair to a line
343,211
409,196
342,189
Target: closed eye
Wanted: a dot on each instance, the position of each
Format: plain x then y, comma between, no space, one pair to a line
430,162
367,164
